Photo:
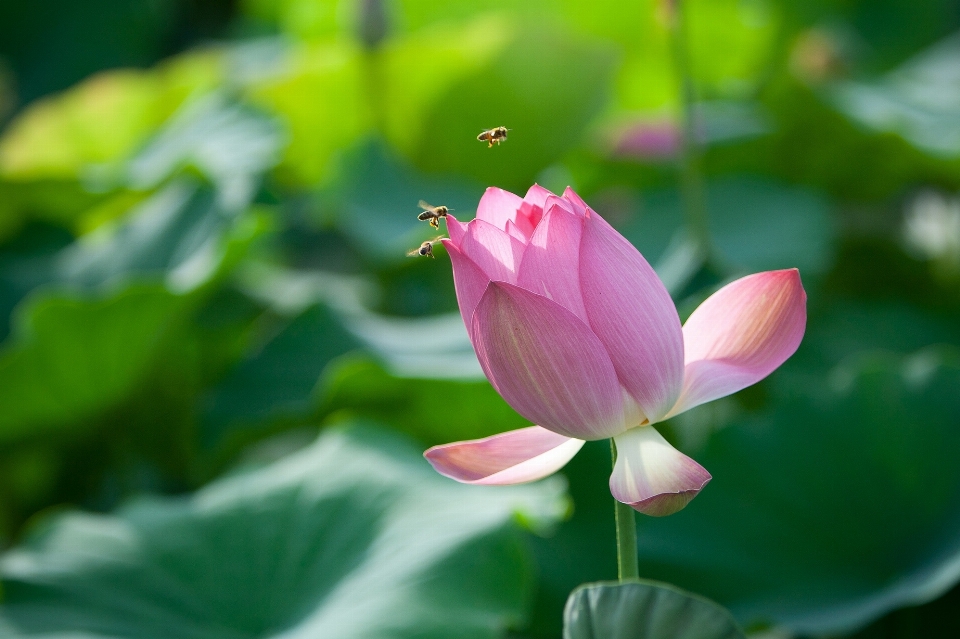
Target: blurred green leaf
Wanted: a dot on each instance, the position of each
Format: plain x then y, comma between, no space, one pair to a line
177,232
434,411
374,202
919,100
229,143
70,357
102,119
279,379
839,503
546,83
755,225
644,610
353,536
318,94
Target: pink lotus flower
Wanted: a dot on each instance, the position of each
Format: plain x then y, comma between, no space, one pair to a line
578,334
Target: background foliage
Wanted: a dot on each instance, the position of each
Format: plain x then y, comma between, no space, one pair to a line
218,368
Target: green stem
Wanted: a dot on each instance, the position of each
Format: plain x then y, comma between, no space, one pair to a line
695,209
627,558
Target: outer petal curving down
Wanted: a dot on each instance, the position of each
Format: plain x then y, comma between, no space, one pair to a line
632,314
741,334
514,457
653,477
547,364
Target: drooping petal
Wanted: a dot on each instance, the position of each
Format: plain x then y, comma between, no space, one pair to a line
497,206
514,457
652,476
547,364
741,334
469,281
493,250
551,261
455,229
631,312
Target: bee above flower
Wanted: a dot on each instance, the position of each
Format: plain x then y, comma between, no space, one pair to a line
578,334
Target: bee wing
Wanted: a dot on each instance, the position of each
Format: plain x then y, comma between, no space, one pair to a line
426,207
414,253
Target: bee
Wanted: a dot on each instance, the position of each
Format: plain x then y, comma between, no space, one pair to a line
490,136
432,213
426,248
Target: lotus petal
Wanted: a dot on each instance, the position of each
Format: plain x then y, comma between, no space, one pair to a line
514,457
631,312
469,281
551,261
455,229
653,477
547,364
741,334
497,206
493,250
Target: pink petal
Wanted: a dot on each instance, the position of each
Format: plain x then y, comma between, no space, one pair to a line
741,334
537,196
652,476
548,365
571,195
514,457
455,229
496,253
497,206
551,261
565,204
532,209
469,281
632,314
514,231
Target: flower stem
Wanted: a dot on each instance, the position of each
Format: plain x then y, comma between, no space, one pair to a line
695,209
627,558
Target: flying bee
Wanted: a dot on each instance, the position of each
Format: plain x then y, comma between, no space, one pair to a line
432,213
490,136
426,248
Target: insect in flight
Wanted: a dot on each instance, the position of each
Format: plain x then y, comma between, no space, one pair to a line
432,213
490,136
426,248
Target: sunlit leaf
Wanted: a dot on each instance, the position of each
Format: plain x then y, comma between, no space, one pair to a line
320,97
353,536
